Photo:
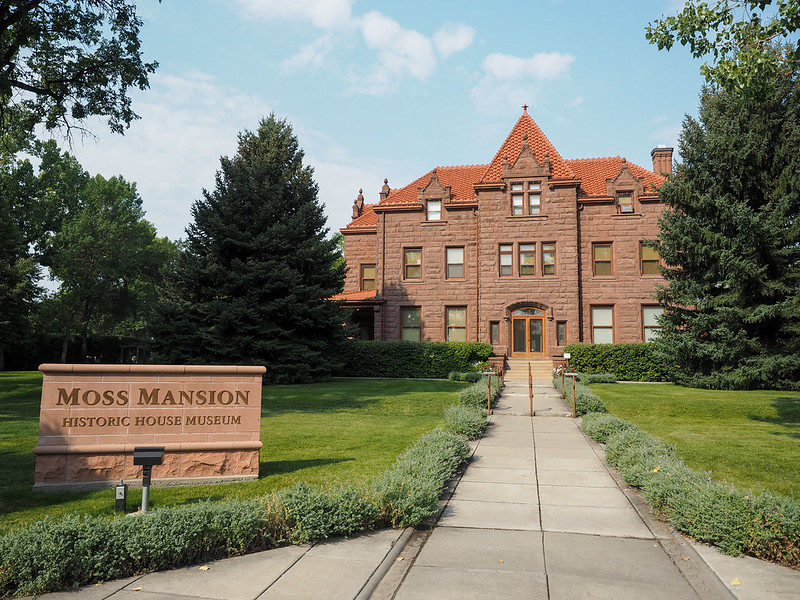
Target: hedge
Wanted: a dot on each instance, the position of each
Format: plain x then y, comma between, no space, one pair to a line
435,360
55,554
586,401
629,362
764,524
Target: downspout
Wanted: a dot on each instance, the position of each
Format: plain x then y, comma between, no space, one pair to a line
477,275
383,274
580,270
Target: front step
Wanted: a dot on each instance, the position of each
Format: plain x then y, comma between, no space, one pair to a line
540,368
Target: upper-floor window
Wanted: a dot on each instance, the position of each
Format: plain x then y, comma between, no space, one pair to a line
494,332
434,210
506,260
601,259
412,263
455,263
548,259
527,259
410,323
625,202
367,277
526,197
650,260
561,333
457,324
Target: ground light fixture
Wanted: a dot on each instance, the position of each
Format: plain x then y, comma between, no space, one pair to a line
147,456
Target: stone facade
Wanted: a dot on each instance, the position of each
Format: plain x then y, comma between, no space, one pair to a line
529,252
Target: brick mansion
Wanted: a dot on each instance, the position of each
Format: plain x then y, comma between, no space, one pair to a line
529,252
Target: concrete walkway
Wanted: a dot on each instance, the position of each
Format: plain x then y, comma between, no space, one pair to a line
535,515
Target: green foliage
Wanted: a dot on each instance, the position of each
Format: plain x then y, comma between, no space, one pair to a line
411,359
252,282
628,362
585,400
467,421
63,62
601,426
743,39
469,376
589,378
408,492
731,239
55,554
313,513
763,525
477,395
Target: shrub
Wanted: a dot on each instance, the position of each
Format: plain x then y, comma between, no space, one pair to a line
763,525
589,378
629,362
465,420
469,377
601,426
411,359
408,492
477,395
585,400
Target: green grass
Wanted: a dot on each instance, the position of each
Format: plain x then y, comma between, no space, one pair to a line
747,438
340,431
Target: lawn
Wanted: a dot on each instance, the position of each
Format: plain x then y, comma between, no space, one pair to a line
340,431
749,438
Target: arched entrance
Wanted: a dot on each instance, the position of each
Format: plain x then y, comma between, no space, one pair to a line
527,332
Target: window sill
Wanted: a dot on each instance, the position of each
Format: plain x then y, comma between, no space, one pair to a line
625,216
527,217
434,223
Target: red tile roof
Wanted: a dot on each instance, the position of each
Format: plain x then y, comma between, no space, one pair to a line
593,173
358,295
368,218
539,145
460,180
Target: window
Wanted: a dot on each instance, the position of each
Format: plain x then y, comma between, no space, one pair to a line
410,323
527,259
434,210
517,198
602,259
534,198
506,260
494,332
412,264
602,325
650,260
526,198
457,324
625,202
548,259
455,263
561,333
650,316
367,277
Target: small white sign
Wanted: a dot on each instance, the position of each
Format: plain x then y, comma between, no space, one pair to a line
567,355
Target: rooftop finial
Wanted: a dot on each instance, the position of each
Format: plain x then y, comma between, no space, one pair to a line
525,108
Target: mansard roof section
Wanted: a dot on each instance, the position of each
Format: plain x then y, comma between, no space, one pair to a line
460,181
538,144
595,173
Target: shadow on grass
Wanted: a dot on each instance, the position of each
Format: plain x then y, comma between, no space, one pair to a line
280,467
787,415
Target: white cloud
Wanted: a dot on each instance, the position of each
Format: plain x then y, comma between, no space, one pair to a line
578,101
545,65
452,38
311,55
400,50
325,14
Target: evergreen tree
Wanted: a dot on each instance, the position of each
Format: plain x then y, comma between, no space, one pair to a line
251,284
731,240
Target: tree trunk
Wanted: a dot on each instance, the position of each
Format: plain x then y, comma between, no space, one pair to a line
64,346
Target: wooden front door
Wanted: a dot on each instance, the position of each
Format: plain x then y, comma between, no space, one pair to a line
527,332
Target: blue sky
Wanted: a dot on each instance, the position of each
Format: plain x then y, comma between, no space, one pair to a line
380,90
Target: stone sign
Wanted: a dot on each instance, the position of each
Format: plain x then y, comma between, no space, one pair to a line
208,418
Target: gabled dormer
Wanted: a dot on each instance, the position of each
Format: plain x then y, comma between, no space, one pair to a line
433,196
626,189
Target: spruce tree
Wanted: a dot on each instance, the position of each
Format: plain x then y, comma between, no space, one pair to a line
730,238
251,284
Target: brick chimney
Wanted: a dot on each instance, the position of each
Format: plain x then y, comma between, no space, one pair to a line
662,160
